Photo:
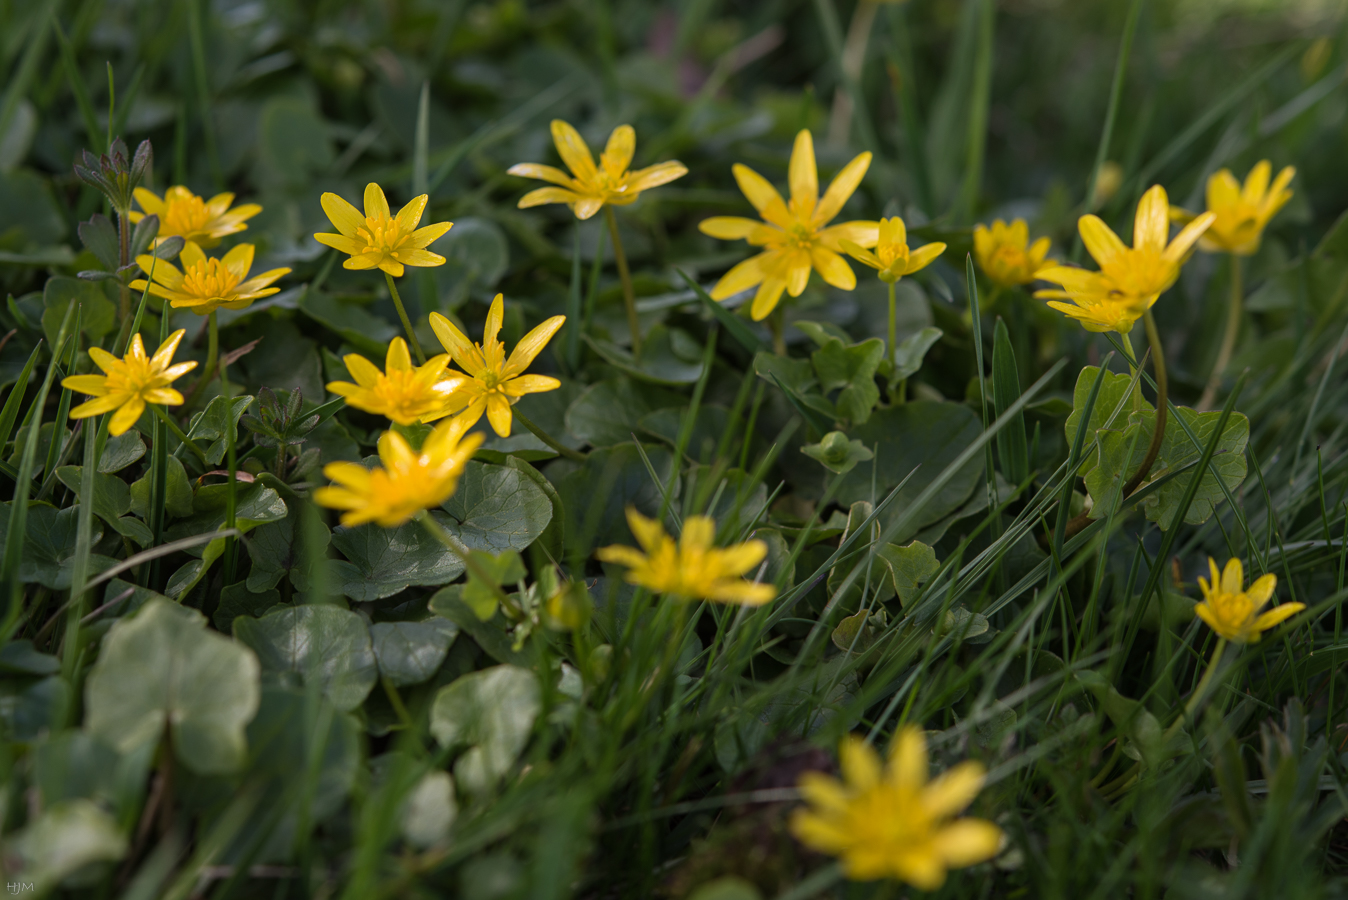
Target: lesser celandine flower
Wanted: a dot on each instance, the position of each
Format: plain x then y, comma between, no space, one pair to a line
590,186
378,239
183,214
794,235
892,822
1005,254
1233,611
892,257
1241,211
403,393
127,384
494,382
691,569
204,285
408,482
1130,278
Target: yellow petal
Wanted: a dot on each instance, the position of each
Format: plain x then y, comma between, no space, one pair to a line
457,344
743,276
803,176
618,152
765,301
699,533
1151,224
953,790
862,233
125,417
1276,616
530,384
571,147
191,254
1179,247
341,243
656,175
833,269
1101,242
738,559
421,258
861,254
745,593
620,555
1233,577
859,763
1256,183
650,534
967,841
541,196
410,215
586,207
239,260
164,397
531,345
729,228
798,274
841,188
97,407
756,188
148,201
366,373
1262,590
343,215
164,355
908,757
398,359
93,385
498,414
541,172
923,256
376,204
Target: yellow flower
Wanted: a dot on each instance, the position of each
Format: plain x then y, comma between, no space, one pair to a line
408,482
691,569
893,823
892,256
1231,610
494,382
402,393
183,214
127,384
1005,254
204,285
1242,212
1130,278
610,182
794,234
379,239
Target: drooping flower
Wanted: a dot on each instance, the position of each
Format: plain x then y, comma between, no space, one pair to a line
893,823
1232,611
204,285
593,186
183,214
1242,212
127,384
691,569
493,382
794,235
403,393
1005,254
1130,278
407,482
892,257
378,239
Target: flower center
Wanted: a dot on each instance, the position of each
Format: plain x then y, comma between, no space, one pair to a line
800,236
185,216
208,278
1141,273
381,235
131,376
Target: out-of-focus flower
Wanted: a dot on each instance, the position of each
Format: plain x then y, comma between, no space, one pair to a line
1241,211
1232,611
183,214
127,384
403,393
1005,254
204,285
378,239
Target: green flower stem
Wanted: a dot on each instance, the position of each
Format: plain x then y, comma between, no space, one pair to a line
465,556
407,323
1228,346
178,433
1162,401
1200,692
893,319
123,260
547,438
212,357
231,466
629,296
777,325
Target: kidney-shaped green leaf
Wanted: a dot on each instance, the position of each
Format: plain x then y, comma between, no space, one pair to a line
497,508
326,644
492,712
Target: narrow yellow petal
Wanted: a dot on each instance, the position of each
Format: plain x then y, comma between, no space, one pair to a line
376,204
803,176
343,215
1151,224
967,841
841,188
531,345
573,150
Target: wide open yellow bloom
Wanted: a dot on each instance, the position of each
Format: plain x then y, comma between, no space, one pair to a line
892,823
593,186
1005,254
1242,212
1231,611
892,256
408,481
378,239
401,392
494,383
183,214
1130,278
794,234
127,384
692,569
204,285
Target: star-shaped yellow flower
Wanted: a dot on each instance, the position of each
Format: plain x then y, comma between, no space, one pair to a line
408,482
494,383
692,569
893,823
379,239
1005,254
794,234
204,285
129,383
402,393
1232,611
892,256
183,214
1242,212
593,186
1130,278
